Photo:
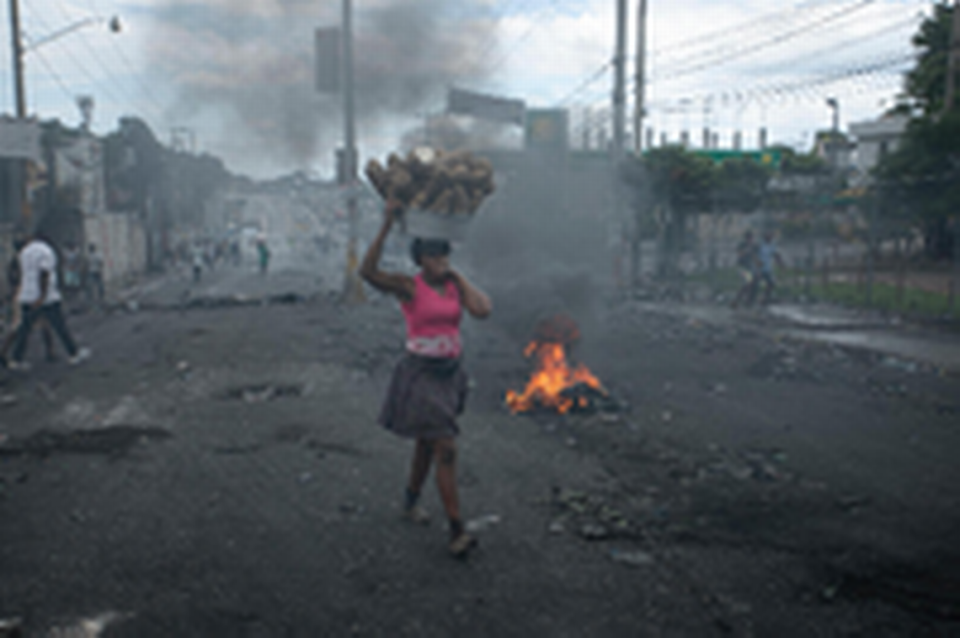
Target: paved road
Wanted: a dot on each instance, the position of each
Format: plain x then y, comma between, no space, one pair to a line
215,471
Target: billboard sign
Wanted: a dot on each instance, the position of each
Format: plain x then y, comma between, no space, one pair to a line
485,107
547,129
19,139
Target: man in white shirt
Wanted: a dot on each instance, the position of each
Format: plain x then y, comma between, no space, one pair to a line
40,296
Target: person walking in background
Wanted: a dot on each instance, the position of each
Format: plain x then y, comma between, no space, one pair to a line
94,275
14,278
263,252
747,264
429,388
72,271
768,256
39,296
197,264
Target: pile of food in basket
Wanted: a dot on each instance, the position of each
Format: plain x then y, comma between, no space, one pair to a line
439,191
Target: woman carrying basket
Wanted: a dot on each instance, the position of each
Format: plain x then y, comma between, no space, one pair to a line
429,388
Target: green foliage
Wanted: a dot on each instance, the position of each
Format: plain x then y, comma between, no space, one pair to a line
925,85
691,182
925,171
912,301
741,184
923,175
884,296
793,163
681,179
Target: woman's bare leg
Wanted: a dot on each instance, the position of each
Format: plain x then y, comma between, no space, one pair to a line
420,467
445,451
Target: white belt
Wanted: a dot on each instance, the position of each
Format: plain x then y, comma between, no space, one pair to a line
439,346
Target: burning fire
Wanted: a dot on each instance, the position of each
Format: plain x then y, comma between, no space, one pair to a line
553,382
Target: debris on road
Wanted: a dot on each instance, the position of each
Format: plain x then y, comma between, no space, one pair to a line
88,627
594,532
632,558
11,628
482,523
263,392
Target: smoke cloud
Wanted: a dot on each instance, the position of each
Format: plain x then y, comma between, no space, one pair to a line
248,66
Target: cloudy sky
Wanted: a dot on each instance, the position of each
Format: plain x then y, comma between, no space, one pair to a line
238,73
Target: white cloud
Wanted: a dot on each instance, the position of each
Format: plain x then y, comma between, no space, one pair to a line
543,56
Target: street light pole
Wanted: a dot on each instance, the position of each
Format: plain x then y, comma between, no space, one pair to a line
619,104
20,200
353,288
619,87
20,169
833,144
641,78
17,46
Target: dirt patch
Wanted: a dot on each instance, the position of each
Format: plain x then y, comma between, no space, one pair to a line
261,392
927,590
111,441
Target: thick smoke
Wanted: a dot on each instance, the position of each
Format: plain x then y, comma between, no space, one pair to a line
452,133
248,64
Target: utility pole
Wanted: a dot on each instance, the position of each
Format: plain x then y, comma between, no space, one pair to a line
17,46
641,78
953,60
620,81
639,112
19,168
833,146
352,287
619,130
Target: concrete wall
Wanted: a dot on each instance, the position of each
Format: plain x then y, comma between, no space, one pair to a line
122,241
6,253
873,135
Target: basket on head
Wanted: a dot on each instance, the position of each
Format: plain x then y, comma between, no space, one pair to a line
428,225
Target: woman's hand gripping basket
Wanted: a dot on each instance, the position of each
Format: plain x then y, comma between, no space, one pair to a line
440,192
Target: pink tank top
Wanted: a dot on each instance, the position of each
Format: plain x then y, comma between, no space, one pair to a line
433,320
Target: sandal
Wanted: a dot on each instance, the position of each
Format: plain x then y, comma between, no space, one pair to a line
417,515
462,544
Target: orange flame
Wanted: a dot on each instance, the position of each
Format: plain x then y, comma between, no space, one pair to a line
552,376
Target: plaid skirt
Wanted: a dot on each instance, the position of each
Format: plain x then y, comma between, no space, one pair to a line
425,397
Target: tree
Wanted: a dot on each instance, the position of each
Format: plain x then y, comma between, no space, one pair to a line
926,82
741,184
923,175
681,180
793,163
675,182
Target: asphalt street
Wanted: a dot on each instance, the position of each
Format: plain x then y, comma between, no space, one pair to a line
216,470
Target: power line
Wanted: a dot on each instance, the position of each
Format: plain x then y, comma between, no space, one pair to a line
125,95
76,59
778,39
144,87
538,21
592,79
736,31
60,82
849,43
488,45
762,93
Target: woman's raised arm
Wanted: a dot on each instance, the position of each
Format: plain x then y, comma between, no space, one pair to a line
392,283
